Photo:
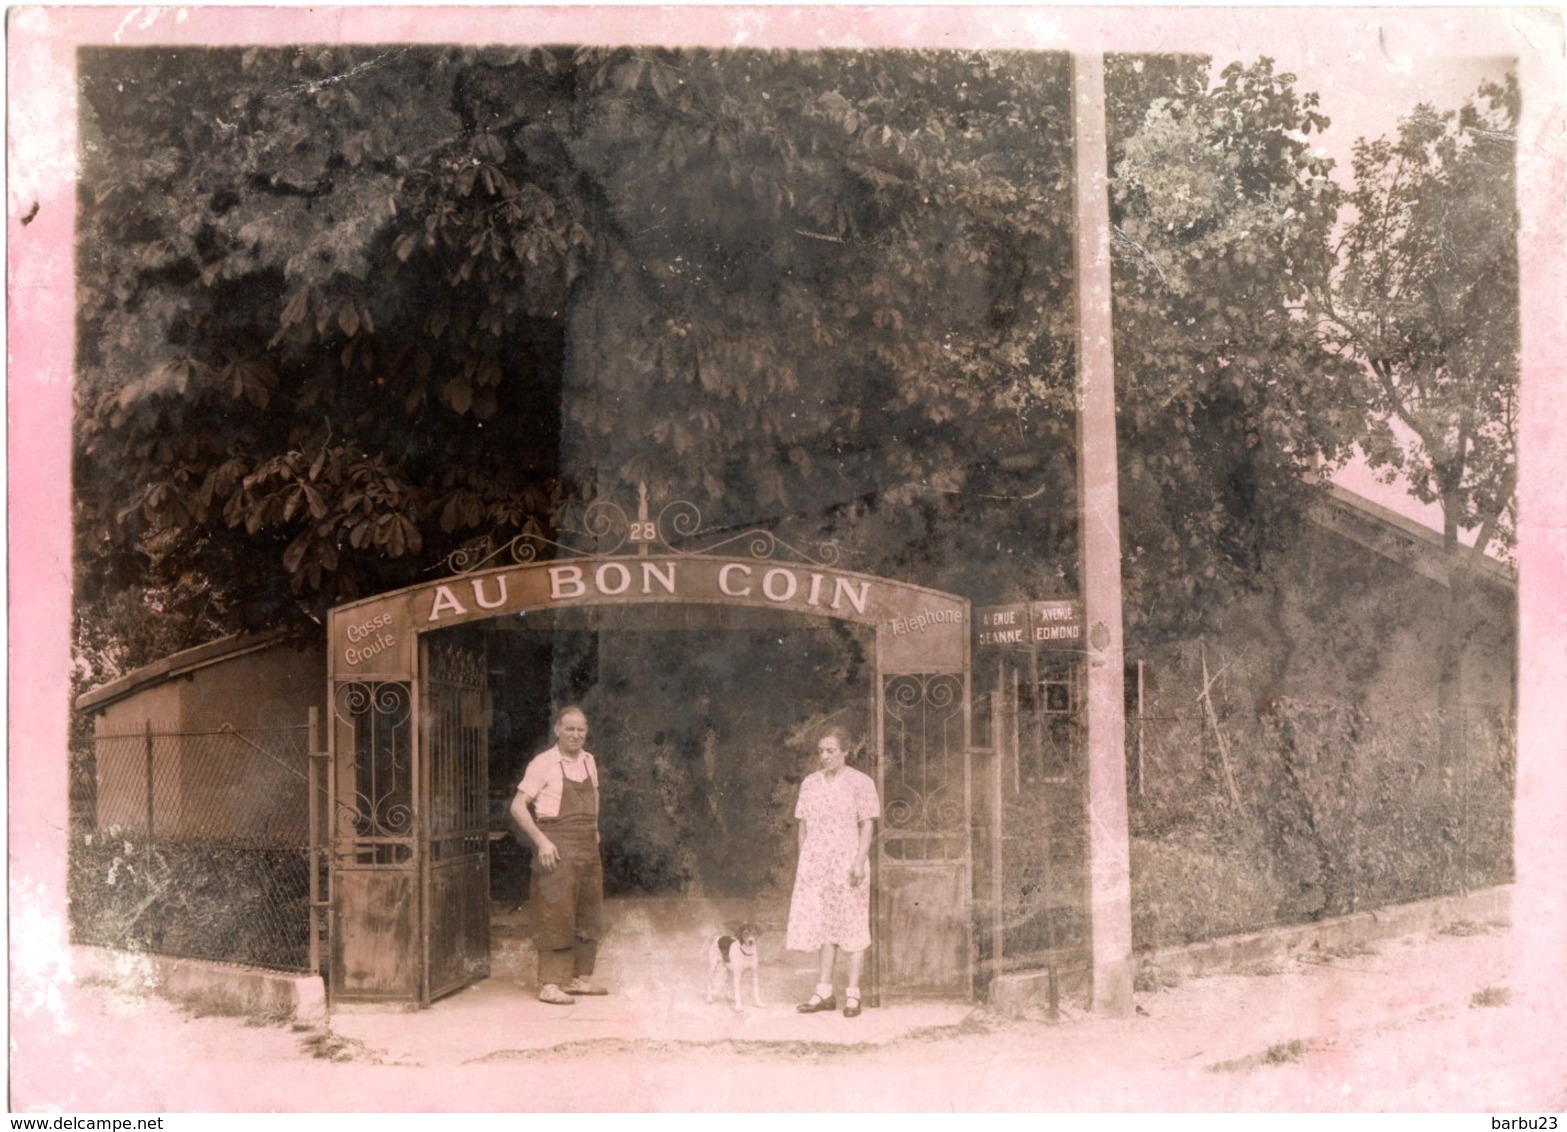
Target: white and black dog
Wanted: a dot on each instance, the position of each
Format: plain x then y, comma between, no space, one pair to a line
736,954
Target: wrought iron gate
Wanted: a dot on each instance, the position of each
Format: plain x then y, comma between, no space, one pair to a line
455,788
924,939
410,840
374,878
409,765
1038,901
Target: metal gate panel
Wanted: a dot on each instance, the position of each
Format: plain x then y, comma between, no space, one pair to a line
455,788
924,942
1038,803
374,952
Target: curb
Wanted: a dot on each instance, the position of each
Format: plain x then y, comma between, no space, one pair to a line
1018,992
217,988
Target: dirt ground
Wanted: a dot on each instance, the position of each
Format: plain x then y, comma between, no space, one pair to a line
1419,1023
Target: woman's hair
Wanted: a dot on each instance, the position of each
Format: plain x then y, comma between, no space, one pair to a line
839,732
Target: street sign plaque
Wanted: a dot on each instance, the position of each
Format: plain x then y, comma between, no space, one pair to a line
1053,624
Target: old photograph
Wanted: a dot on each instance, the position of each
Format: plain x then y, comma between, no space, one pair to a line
783,559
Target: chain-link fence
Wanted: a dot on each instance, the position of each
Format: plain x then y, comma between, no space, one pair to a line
197,844
1314,810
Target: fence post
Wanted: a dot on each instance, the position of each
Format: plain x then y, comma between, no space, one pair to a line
317,764
1139,728
150,792
1463,789
997,832
147,855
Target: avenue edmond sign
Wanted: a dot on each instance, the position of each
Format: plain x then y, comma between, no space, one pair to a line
376,635
1058,623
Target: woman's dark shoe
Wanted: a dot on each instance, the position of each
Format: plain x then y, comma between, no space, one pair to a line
817,1003
851,1007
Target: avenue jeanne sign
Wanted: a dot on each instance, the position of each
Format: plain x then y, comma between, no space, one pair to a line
1045,623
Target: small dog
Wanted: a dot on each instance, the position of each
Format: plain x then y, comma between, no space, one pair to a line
737,954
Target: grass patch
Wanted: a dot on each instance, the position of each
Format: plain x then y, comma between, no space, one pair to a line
1151,979
208,1004
1282,1053
1491,996
1260,970
258,1018
1353,950
971,1026
1279,1053
1465,928
327,1046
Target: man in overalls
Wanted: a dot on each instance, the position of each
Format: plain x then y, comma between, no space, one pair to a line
567,898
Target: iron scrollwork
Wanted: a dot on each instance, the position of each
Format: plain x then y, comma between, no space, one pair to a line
923,780
378,715
608,529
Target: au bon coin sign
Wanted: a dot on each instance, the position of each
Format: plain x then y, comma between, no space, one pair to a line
917,629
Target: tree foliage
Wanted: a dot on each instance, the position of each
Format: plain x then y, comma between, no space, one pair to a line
1230,406
1425,299
345,310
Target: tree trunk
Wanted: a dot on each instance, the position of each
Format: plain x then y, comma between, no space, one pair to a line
1455,627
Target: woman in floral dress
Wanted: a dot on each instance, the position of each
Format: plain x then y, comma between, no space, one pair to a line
831,907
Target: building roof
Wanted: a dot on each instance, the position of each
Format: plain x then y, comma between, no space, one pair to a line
179,664
1399,538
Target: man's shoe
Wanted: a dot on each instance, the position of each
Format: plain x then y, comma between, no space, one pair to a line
553,995
817,1004
579,985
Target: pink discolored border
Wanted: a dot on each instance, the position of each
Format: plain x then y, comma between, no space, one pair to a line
1362,60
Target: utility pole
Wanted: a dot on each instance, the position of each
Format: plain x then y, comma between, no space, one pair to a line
1099,541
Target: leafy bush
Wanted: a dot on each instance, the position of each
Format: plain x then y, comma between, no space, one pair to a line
1331,814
